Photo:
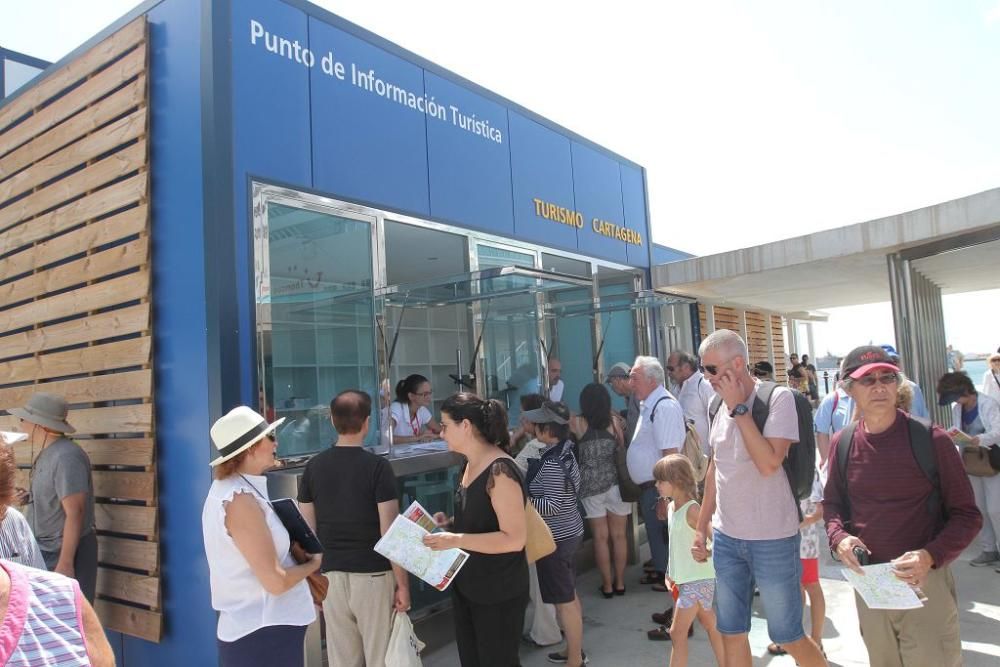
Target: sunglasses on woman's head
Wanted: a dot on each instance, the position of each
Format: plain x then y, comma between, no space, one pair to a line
870,380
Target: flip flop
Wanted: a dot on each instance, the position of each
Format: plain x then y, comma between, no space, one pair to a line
775,649
652,577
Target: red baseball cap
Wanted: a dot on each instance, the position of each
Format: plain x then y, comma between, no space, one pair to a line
863,360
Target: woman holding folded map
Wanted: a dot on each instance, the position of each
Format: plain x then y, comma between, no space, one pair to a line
491,591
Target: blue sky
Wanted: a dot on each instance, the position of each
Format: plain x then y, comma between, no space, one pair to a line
756,121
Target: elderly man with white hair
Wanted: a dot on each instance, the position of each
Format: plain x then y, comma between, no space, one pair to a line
659,431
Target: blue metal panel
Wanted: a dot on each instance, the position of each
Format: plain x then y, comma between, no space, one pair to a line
599,198
469,172
663,254
634,200
367,145
542,168
182,401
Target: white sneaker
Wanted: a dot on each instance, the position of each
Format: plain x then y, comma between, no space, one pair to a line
985,558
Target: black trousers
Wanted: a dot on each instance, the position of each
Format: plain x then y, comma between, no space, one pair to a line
488,635
84,564
269,646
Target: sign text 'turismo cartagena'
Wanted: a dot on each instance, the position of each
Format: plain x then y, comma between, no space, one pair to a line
561,214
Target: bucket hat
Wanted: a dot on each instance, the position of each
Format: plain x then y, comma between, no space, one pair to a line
238,430
46,410
619,370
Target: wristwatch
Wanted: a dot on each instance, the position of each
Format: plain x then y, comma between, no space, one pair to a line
739,411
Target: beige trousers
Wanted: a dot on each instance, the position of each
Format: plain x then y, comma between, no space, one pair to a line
358,614
925,637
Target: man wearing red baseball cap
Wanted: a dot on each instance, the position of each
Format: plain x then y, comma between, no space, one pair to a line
897,492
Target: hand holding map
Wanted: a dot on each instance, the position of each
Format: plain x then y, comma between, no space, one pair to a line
403,544
880,588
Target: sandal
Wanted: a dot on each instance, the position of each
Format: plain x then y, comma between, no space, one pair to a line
607,594
652,577
660,634
775,649
620,591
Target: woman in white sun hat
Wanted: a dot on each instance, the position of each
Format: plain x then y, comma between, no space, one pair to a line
259,591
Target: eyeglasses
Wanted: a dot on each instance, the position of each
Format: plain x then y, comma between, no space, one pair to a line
670,369
870,380
711,369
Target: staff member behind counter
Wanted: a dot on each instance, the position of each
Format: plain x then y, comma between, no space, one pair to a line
412,421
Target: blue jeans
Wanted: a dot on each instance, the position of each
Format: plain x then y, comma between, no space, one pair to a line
656,530
775,567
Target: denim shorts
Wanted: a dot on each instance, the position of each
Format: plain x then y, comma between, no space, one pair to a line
775,567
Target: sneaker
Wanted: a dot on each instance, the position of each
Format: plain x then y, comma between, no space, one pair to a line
985,558
560,658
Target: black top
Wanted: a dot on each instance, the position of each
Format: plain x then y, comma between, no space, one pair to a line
346,484
488,578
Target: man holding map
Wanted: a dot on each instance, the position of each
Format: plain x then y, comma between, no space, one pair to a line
897,493
348,496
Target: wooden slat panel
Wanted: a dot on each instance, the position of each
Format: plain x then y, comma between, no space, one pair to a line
132,319
119,419
93,297
102,451
133,554
86,121
88,148
131,519
114,387
73,71
114,166
125,224
133,621
120,258
120,354
124,485
128,586
99,86
111,198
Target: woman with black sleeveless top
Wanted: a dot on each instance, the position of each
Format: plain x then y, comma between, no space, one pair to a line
491,591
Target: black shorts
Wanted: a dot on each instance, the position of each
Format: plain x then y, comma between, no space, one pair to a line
557,572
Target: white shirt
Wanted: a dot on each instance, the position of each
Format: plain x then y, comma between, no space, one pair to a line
556,392
991,384
651,438
405,424
237,594
989,415
17,542
695,396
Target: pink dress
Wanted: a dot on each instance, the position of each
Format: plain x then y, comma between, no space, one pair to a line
44,621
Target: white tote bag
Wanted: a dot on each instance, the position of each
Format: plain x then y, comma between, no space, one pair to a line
404,647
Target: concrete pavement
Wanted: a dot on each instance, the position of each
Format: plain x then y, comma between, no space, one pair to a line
615,630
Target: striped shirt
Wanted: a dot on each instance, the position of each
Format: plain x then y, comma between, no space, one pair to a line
554,485
44,621
17,542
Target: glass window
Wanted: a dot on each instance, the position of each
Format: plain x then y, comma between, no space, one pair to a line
315,320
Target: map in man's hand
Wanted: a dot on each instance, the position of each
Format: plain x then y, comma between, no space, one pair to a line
881,589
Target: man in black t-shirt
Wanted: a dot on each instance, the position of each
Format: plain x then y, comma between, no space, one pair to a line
348,495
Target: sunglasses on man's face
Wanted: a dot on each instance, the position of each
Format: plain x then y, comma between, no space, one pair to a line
711,369
870,380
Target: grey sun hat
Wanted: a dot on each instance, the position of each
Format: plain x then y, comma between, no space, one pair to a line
548,413
619,370
47,410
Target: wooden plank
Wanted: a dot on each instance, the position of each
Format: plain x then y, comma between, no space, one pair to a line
120,354
120,258
137,588
73,71
98,233
114,166
113,323
118,419
82,123
131,519
133,554
111,198
102,451
132,621
85,149
100,85
124,485
113,387
93,297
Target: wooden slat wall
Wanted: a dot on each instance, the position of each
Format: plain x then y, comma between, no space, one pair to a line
75,297
703,321
727,318
778,341
757,337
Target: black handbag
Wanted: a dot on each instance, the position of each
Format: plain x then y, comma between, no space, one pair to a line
994,454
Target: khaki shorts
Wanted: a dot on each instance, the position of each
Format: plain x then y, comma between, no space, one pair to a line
595,507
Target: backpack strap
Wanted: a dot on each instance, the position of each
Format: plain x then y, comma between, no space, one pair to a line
713,408
843,455
762,404
922,444
652,413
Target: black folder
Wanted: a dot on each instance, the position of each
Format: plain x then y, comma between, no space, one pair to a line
296,525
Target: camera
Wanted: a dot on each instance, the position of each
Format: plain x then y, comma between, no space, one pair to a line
862,556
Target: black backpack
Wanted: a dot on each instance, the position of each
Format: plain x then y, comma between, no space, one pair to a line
922,446
800,462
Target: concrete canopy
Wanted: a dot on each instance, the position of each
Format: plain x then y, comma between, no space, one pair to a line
955,244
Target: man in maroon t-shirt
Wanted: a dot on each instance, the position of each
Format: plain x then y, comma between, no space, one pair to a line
885,514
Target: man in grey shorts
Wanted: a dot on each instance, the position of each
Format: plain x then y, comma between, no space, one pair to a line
60,503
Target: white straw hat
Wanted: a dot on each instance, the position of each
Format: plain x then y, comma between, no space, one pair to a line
238,430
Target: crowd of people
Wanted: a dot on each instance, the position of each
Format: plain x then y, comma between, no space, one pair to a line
888,485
